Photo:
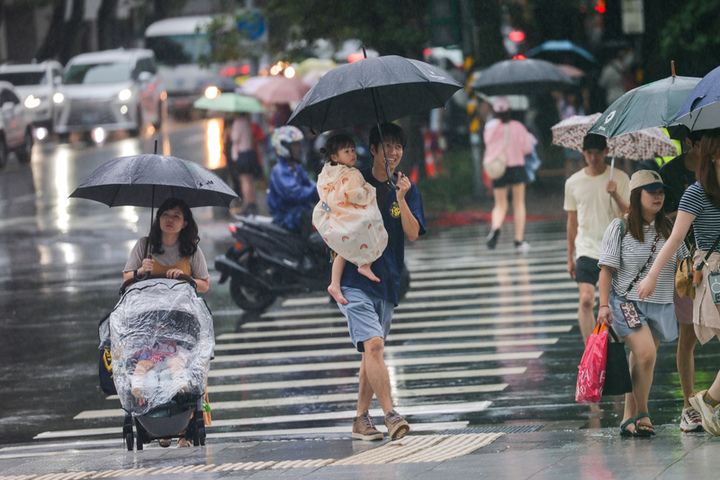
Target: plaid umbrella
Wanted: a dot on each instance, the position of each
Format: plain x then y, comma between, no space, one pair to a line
640,145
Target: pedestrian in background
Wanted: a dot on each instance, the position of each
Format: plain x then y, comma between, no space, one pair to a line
244,159
700,208
679,174
629,246
504,133
594,196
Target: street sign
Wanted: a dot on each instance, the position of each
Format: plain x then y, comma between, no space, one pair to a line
254,25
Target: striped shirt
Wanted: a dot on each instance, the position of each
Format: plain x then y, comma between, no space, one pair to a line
629,256
707,221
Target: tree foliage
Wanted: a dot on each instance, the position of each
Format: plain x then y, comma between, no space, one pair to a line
692,35
392,27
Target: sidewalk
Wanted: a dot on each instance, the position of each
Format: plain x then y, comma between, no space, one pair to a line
551,454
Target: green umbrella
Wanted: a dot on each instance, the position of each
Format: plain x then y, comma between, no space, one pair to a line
230,102
651,105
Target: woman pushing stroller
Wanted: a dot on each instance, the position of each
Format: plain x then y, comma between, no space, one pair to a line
162,333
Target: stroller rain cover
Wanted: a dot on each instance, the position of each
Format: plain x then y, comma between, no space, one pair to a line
162,341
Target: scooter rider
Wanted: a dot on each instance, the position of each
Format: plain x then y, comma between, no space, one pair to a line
291,195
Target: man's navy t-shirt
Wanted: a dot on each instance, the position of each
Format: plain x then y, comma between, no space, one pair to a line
388,267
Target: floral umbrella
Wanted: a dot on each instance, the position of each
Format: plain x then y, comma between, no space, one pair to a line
640,145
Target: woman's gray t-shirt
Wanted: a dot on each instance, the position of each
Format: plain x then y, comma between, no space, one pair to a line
170,256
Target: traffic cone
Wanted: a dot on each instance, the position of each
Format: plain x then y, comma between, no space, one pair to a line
429,157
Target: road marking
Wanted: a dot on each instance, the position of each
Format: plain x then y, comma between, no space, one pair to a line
394,337
407,410
439,321
423,347
314,367
413,306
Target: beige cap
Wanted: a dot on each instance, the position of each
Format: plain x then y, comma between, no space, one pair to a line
649,180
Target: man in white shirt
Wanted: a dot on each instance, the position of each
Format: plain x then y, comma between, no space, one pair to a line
593,197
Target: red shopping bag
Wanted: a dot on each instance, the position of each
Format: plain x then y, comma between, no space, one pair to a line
591,372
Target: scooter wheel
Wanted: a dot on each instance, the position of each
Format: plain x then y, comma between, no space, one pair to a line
250,299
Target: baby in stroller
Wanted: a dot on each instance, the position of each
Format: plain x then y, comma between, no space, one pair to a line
174,355
161,341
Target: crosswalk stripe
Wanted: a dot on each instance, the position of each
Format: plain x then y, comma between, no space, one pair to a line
486,272
460,333
391,361
398,377
416,305
424,347
398,324
326,382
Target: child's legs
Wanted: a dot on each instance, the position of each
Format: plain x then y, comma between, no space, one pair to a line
500,209
518,201
337,269
142,367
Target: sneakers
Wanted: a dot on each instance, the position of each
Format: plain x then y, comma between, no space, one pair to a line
492,238
522,247
364,428
396,425
690,421
708,414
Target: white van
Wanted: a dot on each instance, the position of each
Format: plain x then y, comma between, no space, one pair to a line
179,44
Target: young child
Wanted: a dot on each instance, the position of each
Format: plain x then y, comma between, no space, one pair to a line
347,216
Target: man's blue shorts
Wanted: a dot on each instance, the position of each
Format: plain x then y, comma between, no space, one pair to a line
367,315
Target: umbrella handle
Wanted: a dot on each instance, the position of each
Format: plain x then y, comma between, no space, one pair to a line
389,182
612,167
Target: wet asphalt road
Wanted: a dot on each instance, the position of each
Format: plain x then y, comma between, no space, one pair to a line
508,319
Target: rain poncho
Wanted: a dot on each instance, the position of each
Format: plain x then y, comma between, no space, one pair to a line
347,216
163,323
290,193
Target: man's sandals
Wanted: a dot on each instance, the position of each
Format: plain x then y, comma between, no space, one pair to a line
641,429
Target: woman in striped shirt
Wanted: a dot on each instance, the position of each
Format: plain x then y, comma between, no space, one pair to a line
699,207
628,250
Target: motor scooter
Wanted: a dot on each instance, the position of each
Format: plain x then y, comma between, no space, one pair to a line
268,261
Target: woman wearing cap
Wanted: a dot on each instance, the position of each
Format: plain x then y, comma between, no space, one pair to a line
629,249
700,208
516,143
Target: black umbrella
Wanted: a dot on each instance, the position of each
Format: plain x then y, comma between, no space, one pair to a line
521,77
373,91
148,180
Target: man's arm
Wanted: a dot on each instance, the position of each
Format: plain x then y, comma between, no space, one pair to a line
572,228
611,188
410,225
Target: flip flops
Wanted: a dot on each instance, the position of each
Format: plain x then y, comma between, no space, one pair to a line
641,429
623,428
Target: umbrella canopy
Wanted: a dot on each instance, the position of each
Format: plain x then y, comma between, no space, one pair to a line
371,91
570,71
701,109
639,145
148,180
314,64
563,51
282,90
251,85
521,77
230,102
651,105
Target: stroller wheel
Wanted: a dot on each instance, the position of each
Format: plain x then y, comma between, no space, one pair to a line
129,441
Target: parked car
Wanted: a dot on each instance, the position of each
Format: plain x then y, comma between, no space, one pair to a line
16,126
112,89
35,84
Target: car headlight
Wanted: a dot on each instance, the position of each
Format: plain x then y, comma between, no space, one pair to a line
58,97
31,102
125,94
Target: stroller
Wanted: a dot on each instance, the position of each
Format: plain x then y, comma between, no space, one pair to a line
160,337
